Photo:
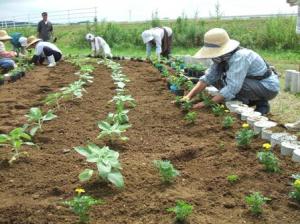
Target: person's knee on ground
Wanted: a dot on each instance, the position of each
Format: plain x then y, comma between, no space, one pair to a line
50,54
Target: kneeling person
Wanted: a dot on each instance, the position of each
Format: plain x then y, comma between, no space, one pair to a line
99,46
239,73
43,50
19,43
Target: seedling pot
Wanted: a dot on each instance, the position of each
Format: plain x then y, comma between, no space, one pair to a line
247,114
266,134
7,77
277,138
244,108
288,147
259,125
296,156
230,104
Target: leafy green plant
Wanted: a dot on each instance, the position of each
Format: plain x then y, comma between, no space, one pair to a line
178,101
107,163
166,170
186,105
189,85
87,68
112,131
268,158
81,204
74,89
36,118
86,77
119,117
121,100
255,201
182,210
228,121
244,136
54,98
218,109
190,117
16,138
232,178
295,194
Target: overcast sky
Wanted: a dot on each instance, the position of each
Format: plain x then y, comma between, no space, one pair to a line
120,10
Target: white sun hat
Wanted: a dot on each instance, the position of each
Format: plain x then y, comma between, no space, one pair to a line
216,43
23,41
147,36
89,37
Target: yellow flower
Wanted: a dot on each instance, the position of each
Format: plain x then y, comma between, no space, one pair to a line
222,106
297,184
245,125
266,146
79,190
227,111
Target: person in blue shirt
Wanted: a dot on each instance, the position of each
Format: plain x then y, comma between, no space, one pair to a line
238,73
19,43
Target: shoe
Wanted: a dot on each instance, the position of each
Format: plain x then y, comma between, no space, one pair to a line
262,106
51,61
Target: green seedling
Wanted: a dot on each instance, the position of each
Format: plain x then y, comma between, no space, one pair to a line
178,101
244,136
74,89
36,119
112,131
16,138
218,109
232,178
166,170
189,85
190,117
255,202
228,121
122,100
182,210
86,77
87,68
295,194
54,98
107,163
186,105
120,117
269,160
81,204
165,72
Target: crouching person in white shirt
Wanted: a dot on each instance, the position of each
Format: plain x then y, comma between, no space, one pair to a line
161,37
44,50
99,46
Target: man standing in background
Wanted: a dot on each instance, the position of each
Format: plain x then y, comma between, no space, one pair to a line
293,3
45,28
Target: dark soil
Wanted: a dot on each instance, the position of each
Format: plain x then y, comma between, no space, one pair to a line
32,189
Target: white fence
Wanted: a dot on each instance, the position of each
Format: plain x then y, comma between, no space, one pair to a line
56,17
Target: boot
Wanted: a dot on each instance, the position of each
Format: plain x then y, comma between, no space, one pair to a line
262,106
51,61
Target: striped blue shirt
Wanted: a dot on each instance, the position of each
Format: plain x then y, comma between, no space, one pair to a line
243,63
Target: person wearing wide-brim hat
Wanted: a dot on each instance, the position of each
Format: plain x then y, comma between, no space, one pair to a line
161,38
6,62
99,46
43,50
239,73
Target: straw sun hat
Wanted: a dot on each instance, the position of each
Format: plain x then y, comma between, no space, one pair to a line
31,40
216,44
4,35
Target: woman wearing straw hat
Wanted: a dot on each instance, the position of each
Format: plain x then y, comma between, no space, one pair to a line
161,37
99,46
241,73
6,62
43,50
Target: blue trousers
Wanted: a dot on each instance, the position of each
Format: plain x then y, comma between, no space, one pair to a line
6,63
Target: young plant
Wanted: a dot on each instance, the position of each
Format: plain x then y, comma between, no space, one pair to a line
295,194
232,178
107,163
112,131
74,89
218,109
186,105
120,117
87,68
178,101
81,204
182,210
36,118
189,85
268,158
190,117
255,202
54,98
228,121
86,77
16,138
244,136
121,100
166,170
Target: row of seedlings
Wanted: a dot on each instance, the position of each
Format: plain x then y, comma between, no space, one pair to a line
106,159
21,136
